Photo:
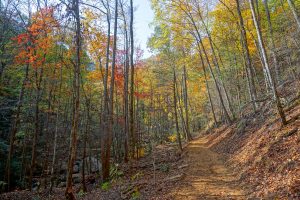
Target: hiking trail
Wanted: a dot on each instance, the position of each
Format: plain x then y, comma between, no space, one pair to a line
206,176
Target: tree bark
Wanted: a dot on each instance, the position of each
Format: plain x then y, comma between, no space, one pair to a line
252,89
208,89
15,127
126,82
295,13
188,133
39,77
271,39
131,107
175,110
266,65
76,85
107,142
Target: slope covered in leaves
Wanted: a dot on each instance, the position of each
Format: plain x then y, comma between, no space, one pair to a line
264,154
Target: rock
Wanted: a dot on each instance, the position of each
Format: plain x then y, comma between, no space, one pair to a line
76,178
36,185
61,184
77,166
92,164
95,164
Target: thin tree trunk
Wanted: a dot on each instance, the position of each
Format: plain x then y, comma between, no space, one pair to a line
252,89
14,129
199,41
189,137
39,78
294,11
105,112
73,143
271,38
175,110
266,65
208,90
109,134
131,107
216,63
126,77
55,135
85,137
201,45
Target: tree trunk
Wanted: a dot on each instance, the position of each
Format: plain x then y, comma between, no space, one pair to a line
294,11
200,45
105,112
208,90
106,151
252,89
266,65
189,137
271,38
85,137
55,134
216,63
126,82
76,85
15,127
131,107
175,110
38,81
199,41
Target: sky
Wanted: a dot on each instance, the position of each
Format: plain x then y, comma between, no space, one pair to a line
143,17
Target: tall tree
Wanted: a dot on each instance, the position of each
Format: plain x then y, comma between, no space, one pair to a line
107,140
294,11
131,107
249,71
76,99
266,65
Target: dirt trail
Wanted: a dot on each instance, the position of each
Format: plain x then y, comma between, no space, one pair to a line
206,177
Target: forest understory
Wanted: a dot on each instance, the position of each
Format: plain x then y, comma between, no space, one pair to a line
235,161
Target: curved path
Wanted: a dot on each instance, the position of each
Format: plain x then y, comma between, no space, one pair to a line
206,177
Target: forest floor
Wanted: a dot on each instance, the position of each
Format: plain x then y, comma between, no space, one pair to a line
206,176
253,158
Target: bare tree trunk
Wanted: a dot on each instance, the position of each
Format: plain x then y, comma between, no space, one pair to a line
38,81
175,110
252,89
85,137
200,45
126,78
189,137
266,65
208,90
55,135
108,136
199,41
179,97
271,38
131,107
216,63
73,143
294,11
14,129
105,113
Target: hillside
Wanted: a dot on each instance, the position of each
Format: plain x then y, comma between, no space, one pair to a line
255,157
149,99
